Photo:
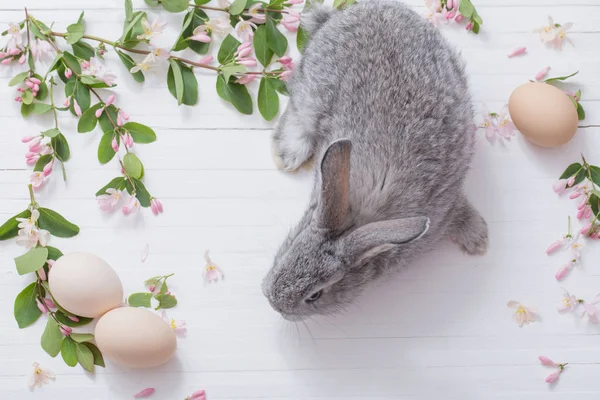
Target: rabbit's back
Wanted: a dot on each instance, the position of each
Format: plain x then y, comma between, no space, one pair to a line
380,75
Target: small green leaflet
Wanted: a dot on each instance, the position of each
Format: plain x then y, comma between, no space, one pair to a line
571,170
133,166
31,261
56,224
82,337
165,301
177,76
68,351
268,99
237,7
229,70
51,133
26,310
561,78
18,78
140,300
52,338
140,133
275,39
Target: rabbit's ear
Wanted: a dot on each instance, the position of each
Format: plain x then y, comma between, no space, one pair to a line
335,179
375,238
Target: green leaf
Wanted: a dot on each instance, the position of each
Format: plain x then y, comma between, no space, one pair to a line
466,9
190,84
476,27
30,61
268,100
133,166
164,288
41,163
82,337
237,7
63,319
26,310
31,261
152,281
98,359
40,108
129,63
56,224
236,94
68,351
55,63
142,193
280,86
128,10
165,301
229,70
140,133
132,28
54,253
71,62
192,20
175,6
105,150
561,78
93,82
75,33
571,170
263,53
82,95
51,132
117,183
61,147
10,228
175,69
27,97
275,39
18,78
52,338
85,357
87,121
105,121
595,202
83,50
181,43
80,19
140,300
201,2
26,109
227,50
580,112
595,174
43,92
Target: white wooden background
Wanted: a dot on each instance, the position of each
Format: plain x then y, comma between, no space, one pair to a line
441,329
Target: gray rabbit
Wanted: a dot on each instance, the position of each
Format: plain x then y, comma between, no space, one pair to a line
382,101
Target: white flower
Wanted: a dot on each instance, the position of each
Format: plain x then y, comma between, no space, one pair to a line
151,30
244,30
29,224
40,49
506,128
224,3
39,376
98,70
37,179
133,204
16,39
561,35
256,13
575,248
145,65
212,273
523,315
160,53
218,25
108,201
547,32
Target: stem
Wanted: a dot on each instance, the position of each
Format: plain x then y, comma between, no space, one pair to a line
62,163
31,195
128,177
28,40
589,126
569,226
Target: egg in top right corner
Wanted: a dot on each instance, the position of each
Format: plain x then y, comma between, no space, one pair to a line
544,114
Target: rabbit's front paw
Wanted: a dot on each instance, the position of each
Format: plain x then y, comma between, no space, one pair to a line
470,229
290,159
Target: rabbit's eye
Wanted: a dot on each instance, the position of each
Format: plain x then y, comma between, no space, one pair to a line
314,297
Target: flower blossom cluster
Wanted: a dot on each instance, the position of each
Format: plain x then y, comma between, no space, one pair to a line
554,34
498,126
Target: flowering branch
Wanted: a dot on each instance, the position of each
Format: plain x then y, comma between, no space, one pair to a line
33,228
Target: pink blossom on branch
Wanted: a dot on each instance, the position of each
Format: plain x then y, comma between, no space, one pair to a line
553,377
108,201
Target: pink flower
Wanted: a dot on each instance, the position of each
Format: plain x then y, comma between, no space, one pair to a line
42,307
73,318
42,274
244,79
245,30
76,108
85,64
132,206
286,60
200,37
523,315
68,73
156,206
108,201
546,361
292,21
27,139
99,112
47,170
67,102
247,62
152,288
115,144
295,1
517,52
562,272
65,330
459,18
122,116
469,26
542,74
127,140
49,303
586,229
590,310
212,273
197,395
553,376
178,326
144,393
559,244
285,75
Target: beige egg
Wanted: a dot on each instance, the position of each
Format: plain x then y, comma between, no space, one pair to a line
543,114
85,285
135,338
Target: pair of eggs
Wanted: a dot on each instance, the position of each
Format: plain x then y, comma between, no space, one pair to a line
85,285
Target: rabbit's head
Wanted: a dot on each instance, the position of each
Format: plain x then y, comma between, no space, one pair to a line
327,260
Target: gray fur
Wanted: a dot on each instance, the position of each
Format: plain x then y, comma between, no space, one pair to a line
385,81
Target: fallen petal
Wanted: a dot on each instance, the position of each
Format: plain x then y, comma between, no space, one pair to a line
553,376
517,52
145,251
144,393
546,361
